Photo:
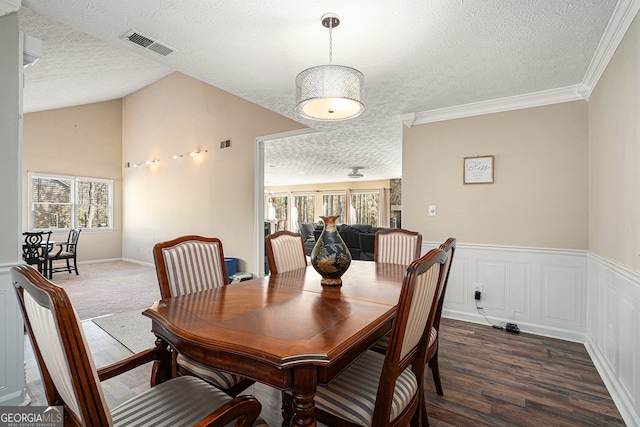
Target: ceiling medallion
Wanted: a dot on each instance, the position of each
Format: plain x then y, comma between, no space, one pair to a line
329,92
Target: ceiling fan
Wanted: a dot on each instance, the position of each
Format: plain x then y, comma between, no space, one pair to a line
355,172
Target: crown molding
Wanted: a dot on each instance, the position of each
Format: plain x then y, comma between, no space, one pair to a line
9,6
620,21
535,99
622,18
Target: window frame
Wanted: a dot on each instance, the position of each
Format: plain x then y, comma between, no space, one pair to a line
375,193
314,205
345,210
73,198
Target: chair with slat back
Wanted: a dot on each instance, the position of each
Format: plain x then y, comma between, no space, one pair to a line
71,380
388,390
285,251
397,246
66,251
35,249
189,264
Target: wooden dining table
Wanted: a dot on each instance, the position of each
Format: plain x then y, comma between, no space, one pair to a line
285,330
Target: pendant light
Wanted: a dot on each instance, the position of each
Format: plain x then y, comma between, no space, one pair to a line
329,92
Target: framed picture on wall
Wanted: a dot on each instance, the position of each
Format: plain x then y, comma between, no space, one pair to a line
478,170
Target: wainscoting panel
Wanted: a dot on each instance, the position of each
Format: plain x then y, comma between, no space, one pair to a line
457,277
520,290
562,288
566,294
12,373
613,328
542,290
497,275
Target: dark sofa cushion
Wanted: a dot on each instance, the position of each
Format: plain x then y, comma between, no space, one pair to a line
362,228
307,231
346,228
367,246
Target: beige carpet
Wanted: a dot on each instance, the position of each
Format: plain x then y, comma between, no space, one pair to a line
130,328
108,288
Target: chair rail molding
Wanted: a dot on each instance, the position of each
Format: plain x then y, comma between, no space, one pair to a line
573,295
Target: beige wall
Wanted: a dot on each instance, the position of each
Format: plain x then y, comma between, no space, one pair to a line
614,114
79,141
540,194
211,194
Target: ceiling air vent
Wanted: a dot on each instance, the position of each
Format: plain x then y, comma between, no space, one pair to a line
148,43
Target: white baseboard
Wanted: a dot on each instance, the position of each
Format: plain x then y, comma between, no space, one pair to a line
99,261
135,261
530,328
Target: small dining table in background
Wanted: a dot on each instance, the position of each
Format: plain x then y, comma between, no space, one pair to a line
285,330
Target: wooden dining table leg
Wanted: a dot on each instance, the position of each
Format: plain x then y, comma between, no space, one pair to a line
305,381
161,370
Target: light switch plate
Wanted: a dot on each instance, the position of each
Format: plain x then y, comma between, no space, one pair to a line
432,210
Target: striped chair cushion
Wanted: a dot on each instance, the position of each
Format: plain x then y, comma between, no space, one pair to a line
288,253
193,266
219,379
188,400
352,394
397,248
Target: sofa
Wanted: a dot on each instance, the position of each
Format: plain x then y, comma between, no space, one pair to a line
359,238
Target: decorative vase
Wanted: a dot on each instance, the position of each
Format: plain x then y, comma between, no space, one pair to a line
330,256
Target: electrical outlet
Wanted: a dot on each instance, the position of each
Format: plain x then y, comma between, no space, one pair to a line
477,291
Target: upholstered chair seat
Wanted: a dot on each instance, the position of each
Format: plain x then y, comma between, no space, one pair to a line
449,247
71,379
191,264
387,390
357,404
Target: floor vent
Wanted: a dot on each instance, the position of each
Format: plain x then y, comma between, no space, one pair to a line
147,43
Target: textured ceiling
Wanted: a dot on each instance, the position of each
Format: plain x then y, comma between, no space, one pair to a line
417,56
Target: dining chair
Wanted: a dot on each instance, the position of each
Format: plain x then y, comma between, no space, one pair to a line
397,246
449,247
66,251
35,249
189,264
387,390
72,381
285,251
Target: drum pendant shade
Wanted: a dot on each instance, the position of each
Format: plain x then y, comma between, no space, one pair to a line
329,92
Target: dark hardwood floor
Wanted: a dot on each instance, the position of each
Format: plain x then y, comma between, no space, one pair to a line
494,378
490,378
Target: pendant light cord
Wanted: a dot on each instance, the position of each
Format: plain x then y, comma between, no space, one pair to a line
330,41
